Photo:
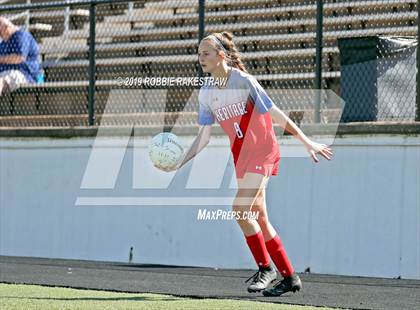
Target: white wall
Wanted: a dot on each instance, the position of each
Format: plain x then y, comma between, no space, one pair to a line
356,215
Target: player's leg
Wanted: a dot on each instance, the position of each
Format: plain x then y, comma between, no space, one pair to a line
260,206
249,187
272,240
274,245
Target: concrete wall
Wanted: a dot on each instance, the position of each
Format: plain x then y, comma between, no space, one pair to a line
356,215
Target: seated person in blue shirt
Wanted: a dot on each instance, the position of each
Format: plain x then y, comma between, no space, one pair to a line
19,57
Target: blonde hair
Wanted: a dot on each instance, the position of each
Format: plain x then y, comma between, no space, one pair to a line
223,41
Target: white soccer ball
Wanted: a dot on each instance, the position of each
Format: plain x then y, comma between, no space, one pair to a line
165,150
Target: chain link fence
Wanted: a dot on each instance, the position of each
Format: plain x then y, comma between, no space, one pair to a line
376,59
95,76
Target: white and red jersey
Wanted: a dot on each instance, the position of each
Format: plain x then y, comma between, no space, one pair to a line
241,110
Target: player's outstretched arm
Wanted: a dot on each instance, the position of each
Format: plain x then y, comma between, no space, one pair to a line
279,117
196,147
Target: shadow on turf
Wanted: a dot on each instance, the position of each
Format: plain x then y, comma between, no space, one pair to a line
97,298
152,266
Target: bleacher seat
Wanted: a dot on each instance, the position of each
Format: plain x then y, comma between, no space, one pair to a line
159,38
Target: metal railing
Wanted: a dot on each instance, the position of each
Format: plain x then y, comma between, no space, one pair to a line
313,54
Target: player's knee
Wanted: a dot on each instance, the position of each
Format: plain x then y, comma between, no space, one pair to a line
245,221
240,214
262,220
238,209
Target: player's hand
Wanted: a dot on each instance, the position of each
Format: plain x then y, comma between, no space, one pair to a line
318,148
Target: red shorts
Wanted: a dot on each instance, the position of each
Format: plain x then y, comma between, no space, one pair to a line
258,165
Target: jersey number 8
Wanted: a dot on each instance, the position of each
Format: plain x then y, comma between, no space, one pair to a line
238,130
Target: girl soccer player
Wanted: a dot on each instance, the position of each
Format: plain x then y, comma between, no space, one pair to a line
246,114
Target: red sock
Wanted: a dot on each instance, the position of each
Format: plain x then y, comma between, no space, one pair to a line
259,251
279,256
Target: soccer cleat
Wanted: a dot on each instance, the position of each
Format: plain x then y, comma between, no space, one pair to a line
261,279
289,284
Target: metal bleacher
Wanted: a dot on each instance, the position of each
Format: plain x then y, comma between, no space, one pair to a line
159,38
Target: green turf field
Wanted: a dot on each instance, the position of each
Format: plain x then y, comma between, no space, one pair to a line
17,297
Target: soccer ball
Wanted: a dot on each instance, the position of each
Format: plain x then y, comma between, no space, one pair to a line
165,150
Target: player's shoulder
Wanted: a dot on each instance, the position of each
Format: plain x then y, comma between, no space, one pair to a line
243,78
204,92
240,74
204,89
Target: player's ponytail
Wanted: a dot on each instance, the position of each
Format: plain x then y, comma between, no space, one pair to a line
233,57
